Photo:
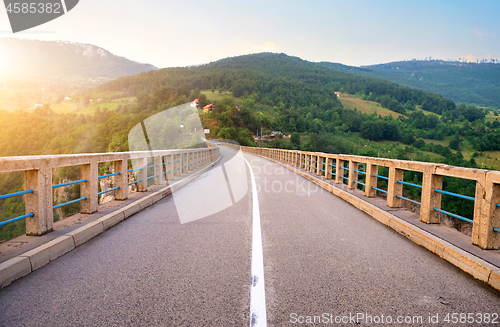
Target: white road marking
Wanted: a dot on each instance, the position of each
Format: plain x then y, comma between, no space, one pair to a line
258,315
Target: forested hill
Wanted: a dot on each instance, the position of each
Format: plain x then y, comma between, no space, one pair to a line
470,83
56,61
278,78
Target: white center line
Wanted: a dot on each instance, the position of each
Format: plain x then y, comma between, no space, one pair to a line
258,316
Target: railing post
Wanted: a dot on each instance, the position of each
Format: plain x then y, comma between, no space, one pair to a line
430,199
89,189
142,174
487,213
170,175
158,170
319,165
371,181
40,201
121,181
353,176
328,168
394,188
339,172
186,162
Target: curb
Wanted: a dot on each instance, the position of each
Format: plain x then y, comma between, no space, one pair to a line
27,262
467,262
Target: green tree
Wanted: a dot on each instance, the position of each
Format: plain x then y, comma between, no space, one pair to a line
295,139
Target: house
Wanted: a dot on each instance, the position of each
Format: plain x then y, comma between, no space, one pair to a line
275,134
194,104
67,98
208,108
337,94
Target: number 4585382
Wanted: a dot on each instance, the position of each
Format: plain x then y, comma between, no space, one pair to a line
33,8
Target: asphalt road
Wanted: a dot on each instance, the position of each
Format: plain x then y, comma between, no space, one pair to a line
186,261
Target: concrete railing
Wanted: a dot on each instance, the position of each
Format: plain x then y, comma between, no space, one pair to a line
486,219
167,165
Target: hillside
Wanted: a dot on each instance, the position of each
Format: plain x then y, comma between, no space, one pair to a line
33,71
470,83
61,61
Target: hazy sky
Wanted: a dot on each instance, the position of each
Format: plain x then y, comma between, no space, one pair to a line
354,32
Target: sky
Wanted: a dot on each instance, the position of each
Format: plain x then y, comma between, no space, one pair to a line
169,33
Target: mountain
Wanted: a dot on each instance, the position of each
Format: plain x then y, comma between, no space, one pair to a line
470,83
62,61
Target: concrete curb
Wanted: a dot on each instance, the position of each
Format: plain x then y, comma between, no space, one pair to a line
467,262
25,263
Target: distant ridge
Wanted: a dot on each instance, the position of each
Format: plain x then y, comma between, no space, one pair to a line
470,83
60,61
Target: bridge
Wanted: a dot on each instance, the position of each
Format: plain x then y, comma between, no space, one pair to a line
252,236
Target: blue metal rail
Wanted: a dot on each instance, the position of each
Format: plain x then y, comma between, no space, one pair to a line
454,215
322,170
69,183
333,165
410,184
69,202
379,189
344,168
456,195
359,171
154,166
498,204
109,175
10,195
5,222
402,197
109,190
176,161
140,180
152,176
496,230
380,176
133,169
331,173
345,177
166,172
166,163
360,183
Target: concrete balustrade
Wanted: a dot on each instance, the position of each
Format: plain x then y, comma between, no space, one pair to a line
38,177
486,212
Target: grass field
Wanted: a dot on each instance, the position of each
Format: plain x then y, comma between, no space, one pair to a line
367,107
70,107
216,96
